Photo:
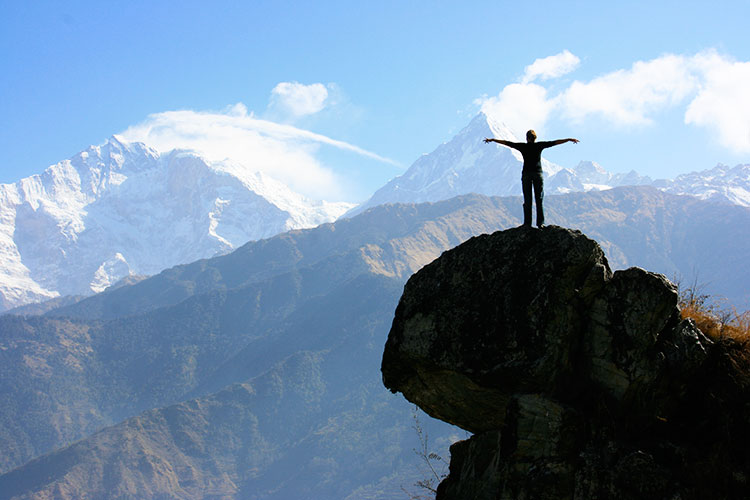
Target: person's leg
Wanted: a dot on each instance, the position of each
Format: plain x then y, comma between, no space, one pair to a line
526,182
539,199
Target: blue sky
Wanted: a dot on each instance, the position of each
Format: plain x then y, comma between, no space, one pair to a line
360,89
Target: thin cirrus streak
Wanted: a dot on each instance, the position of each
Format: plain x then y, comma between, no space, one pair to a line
284,152
191,122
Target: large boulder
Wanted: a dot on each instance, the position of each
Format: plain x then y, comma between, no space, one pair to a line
499,311
578,382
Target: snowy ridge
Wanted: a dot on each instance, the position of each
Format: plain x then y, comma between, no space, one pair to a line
466,165
721,184
588,176
122,208
463,165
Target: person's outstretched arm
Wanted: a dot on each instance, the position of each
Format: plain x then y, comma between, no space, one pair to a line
548,144
504,143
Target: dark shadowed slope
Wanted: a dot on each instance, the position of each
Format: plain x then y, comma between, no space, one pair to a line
578,383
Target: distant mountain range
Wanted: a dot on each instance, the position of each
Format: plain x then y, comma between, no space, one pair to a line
466,164
121,209
255,374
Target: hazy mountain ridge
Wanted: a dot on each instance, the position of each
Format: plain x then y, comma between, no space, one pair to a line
392,240
331,289
278,435
150,358
120,209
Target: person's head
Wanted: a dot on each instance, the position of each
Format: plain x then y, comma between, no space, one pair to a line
530,136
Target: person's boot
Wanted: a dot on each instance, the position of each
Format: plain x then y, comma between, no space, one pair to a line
526,215
539,216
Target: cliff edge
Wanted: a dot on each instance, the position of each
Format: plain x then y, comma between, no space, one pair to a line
576,382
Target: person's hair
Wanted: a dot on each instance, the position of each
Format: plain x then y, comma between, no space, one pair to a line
530,134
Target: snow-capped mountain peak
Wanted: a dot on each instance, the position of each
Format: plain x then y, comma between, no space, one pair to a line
465,164
498,129
121,208
721,184
592,171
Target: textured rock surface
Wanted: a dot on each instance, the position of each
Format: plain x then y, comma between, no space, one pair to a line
515,292
579,383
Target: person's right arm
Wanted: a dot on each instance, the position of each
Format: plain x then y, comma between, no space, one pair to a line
513,145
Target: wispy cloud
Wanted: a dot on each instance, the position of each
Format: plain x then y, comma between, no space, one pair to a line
285,152
551,67
296,99
710,87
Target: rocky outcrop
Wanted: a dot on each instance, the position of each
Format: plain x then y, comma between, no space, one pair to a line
577,382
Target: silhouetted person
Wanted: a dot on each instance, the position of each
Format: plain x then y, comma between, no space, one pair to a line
532,172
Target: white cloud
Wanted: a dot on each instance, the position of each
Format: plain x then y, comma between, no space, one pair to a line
526,105
296,99
551,67
629,96
711,87
723,101
282,151
520,106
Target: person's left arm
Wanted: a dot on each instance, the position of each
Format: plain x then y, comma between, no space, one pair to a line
549,144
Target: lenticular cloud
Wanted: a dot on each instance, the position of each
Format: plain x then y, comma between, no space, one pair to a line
284,152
